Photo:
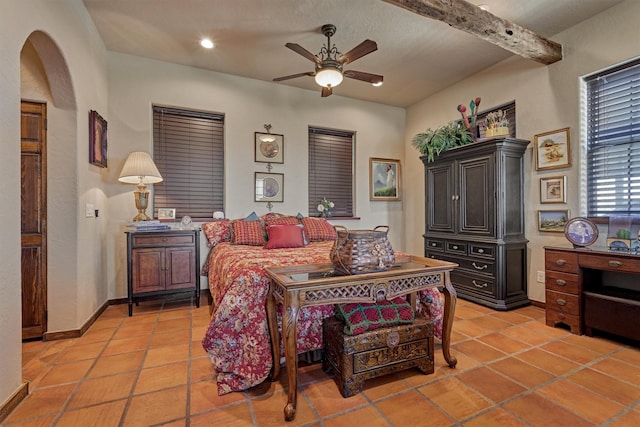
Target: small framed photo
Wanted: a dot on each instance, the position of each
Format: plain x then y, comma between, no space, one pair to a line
166,214
97,139
269,147
552,189
553,220
269,187
384,179
553,149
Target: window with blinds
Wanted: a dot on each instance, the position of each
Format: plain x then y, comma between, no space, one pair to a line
613,141
188,148
331,170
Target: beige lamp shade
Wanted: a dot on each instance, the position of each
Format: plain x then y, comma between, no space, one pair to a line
139,169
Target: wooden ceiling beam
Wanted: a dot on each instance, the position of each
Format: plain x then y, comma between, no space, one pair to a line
470,18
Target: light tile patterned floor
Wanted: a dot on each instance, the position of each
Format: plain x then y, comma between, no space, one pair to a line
150,369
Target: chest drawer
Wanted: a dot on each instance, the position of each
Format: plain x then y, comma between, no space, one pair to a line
566,262
477,283
565,303
477,265
487,251
562,282
434,245
458,248
162,240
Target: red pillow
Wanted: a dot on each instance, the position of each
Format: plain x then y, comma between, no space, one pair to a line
217,231
247,233
318,229
285,236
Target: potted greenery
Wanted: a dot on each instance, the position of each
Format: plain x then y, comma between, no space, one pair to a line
434,141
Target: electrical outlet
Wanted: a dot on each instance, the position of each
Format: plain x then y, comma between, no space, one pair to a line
89,210
540,276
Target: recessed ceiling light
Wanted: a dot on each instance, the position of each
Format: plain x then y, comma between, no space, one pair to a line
206,43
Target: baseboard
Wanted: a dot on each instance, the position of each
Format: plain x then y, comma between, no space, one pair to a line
13,401
538,304
76,333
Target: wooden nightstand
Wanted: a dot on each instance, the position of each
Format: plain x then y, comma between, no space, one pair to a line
162,263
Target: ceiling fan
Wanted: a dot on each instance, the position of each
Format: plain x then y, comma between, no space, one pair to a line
329,62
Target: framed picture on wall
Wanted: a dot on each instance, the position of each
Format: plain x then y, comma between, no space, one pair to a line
97,139
384,179
269,187
553,149
553,220
269,147
553,189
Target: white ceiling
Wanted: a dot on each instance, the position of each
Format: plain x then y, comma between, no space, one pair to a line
417,56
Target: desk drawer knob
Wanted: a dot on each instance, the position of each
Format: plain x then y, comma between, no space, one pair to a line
479,267
615,264
561,301
560,282
561,262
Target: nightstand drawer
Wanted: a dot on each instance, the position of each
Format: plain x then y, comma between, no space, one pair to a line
566,303
162,240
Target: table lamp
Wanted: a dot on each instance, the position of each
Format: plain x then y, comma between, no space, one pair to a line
139,169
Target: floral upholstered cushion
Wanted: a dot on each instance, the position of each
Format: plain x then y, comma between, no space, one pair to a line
317,229
217,231
363,317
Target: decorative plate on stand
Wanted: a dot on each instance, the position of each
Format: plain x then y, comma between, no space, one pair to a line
581,232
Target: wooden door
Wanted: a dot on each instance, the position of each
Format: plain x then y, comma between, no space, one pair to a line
33,218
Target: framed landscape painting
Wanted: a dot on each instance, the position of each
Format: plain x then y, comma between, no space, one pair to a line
553,220
384,179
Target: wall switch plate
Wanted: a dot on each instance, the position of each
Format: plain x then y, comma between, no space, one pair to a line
89,210
540,276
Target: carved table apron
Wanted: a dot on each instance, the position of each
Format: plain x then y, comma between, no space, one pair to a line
315,284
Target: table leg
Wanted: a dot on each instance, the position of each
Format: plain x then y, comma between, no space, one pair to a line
450,298
272,321
290,331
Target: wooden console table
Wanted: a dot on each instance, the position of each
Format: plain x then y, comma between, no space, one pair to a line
311,285
591,289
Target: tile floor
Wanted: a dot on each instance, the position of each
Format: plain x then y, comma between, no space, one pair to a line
150,369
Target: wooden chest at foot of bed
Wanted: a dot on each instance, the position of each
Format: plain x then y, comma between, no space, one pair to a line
356,358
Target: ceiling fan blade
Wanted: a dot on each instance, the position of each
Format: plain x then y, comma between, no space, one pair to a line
364,48
365,77
293,76
304,52
326,91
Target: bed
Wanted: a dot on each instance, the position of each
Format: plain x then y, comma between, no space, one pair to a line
237,339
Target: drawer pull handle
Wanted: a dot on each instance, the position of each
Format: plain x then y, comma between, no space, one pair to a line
560,282
454,247
164,239
615,263
483,285
434,244
561,262
479,267
480,251
560,301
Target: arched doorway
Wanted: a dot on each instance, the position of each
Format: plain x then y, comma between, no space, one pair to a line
47,119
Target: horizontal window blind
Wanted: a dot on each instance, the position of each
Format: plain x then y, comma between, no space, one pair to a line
613,141
188,148
331,170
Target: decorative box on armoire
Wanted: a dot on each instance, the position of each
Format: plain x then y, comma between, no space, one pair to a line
475,217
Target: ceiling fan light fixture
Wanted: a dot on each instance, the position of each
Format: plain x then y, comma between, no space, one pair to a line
328,77
206,43
377,84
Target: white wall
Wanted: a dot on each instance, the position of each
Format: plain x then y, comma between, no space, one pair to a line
547,98
135,84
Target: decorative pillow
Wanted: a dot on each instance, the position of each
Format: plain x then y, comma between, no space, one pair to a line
318,229
290,220
247,233
285,236
253,216
217,232
359,318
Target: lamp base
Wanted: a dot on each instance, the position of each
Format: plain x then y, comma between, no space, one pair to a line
142,201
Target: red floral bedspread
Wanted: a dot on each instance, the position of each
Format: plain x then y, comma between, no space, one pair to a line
237,340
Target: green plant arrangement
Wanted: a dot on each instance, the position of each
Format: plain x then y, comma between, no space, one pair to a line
432,142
